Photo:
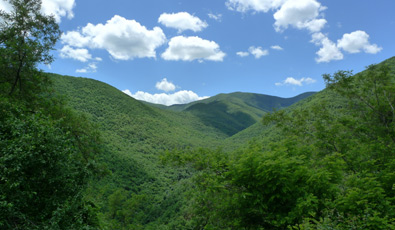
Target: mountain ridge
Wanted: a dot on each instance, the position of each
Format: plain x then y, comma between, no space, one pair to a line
231,113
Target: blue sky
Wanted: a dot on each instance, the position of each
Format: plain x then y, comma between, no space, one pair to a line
176,51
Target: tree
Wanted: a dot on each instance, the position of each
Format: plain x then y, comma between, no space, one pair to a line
26,39
45,166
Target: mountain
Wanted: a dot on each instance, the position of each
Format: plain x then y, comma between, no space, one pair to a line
326,162
231,113
259,101
140,191
137,134
258,132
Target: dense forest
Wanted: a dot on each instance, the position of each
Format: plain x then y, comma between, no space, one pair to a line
76,153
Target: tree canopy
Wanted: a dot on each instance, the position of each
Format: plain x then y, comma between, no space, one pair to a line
47,151
26,39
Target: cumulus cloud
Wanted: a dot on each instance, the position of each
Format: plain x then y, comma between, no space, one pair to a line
296,82
276,47
182,21
357,41
216,17
123,39
354,42
192,48
76,39
258,52
253,5
82,55
242,54
308,15
58,8
166,86
329,51
180,97
90,68
300,14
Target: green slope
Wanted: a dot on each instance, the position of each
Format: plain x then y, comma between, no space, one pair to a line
258,132
136,135
231,113
115,111
335,148
258,101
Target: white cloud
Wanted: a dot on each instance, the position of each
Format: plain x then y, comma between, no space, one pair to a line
82,55
192,48
242,54
276,47
296,82
258,52
166,86
216,17
300,14
90,68
357,41
180,97
308,14
182,21
57,8
124,39
76,39
84,70
328,51
354,42
253,5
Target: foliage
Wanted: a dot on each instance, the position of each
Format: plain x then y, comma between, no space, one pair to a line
324,162
45,164
26,39
135,135
47,151
329,166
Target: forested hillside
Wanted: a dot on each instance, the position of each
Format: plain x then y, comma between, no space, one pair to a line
76,153
136,135
326,162
307,150
231,113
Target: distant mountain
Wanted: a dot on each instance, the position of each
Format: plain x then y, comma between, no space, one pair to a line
260,101
231,113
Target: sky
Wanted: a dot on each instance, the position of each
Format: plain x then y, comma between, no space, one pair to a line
177,51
